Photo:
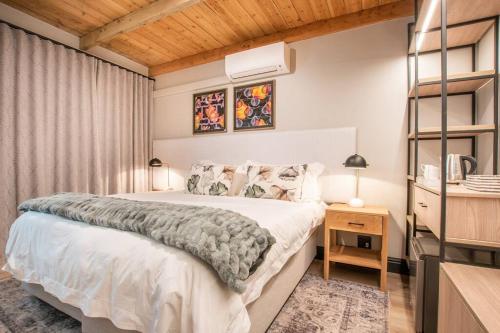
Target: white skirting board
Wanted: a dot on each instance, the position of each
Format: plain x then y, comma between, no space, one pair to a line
329,146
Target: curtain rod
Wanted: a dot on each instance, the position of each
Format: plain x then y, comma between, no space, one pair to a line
71,48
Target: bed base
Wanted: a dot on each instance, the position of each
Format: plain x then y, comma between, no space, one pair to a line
262,311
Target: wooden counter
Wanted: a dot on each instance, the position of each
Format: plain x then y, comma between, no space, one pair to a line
472,217
469,299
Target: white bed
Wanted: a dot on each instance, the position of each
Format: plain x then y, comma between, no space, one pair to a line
141,285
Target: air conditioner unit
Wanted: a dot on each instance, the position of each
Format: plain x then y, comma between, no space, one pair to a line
265,61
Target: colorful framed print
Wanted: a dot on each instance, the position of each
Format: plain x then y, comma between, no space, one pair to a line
254,106
209,112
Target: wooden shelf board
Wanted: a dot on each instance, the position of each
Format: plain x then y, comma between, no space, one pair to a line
459,191
472,242
457,36
479,287
468,82
410,177
409,219
459,11
356,256
453,131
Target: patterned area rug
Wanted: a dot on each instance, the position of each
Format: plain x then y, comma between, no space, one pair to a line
334,306
315,306
21,313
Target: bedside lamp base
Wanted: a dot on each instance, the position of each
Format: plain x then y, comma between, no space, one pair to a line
356,202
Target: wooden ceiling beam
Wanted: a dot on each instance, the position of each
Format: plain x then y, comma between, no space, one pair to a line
136,19
386,12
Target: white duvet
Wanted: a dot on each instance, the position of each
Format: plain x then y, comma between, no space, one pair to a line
142,285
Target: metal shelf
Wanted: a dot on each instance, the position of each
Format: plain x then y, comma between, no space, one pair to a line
457,83
462,131
460,35
453,24
458,12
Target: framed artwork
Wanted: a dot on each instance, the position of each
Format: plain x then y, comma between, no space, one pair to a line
254,106
209,112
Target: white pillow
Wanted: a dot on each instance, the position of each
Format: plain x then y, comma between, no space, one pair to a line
311,189
274,182
209,179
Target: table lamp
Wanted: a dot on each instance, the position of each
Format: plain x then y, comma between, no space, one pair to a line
157,163
356,162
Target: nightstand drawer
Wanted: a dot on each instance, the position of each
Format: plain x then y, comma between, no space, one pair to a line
367,224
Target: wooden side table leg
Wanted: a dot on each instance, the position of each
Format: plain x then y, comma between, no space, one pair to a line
383,254
326,253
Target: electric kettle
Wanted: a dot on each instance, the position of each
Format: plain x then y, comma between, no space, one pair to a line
456,168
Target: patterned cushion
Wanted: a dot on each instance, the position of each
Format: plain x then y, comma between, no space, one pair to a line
209,179
274,182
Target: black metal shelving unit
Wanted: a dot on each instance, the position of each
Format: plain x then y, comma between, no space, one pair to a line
445,132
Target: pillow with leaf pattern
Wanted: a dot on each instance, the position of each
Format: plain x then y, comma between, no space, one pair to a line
209,179
274,182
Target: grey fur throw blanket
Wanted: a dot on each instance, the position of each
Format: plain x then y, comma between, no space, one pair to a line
234,245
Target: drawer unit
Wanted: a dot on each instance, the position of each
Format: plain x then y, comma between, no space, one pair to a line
428,209
473,221
471,217
369,220
369,224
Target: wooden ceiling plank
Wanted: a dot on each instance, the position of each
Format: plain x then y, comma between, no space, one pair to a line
385,2
289,13
122,7
236,17
121,45
366,4
304,10
352,6
151,36
156,36
212,8
147,14
212,25
168,32
223,16
146,45
320,9
269,10
265,17
185,36
196,31
79,11
148,52
365,17
244,18
44,13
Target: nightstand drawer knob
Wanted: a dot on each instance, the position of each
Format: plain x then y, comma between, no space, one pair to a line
357,224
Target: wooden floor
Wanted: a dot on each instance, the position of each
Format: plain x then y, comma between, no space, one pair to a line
400,311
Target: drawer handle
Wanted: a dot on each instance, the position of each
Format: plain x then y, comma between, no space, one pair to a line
421,204
357,224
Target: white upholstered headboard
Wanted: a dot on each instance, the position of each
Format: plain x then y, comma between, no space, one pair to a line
329,146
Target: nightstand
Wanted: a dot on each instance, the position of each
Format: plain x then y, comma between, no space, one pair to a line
368,220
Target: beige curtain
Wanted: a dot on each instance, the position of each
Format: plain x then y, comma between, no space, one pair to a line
68,122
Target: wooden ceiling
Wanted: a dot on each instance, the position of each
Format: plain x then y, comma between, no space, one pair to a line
168,35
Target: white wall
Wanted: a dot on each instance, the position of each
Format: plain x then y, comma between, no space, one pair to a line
20,19
353,78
